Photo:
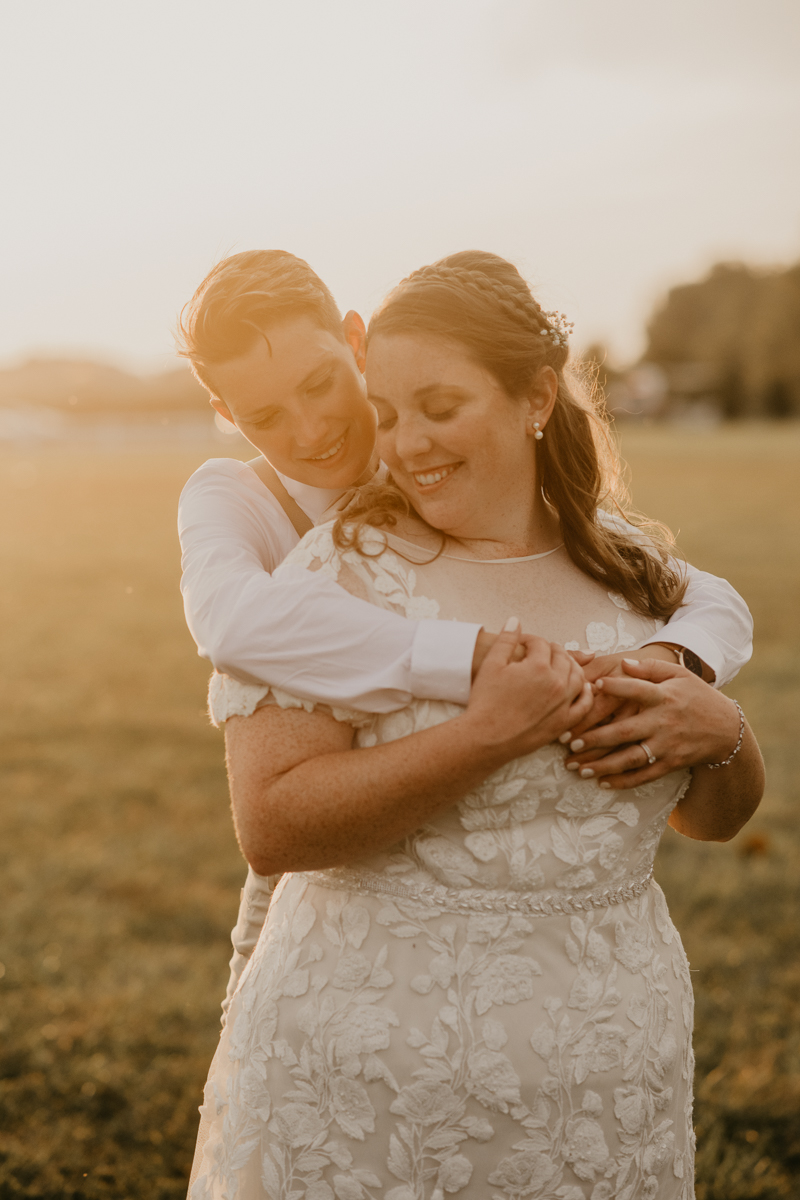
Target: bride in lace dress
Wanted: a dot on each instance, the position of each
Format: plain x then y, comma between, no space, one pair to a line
477,990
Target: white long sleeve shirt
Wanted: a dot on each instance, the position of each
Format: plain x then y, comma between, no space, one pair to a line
300,631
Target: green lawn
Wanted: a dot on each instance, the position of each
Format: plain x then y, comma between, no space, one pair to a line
121,873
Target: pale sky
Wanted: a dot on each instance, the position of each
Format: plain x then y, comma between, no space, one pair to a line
608,147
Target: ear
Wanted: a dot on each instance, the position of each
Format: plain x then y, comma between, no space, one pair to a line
541,399
355,332
222,408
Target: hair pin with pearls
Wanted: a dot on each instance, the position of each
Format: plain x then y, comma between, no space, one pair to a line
558,328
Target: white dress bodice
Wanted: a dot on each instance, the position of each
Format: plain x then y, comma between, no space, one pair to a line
534,835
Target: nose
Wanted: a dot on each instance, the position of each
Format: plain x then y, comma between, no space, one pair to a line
410,439
310,430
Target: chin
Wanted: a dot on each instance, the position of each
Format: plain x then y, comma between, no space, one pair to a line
439,516
344,476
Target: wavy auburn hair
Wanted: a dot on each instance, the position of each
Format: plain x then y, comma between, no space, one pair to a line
482,303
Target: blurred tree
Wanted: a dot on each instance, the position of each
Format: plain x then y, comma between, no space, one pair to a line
778,400
734,338
731,392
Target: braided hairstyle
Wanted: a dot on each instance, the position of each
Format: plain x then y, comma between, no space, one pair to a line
239,297
481,302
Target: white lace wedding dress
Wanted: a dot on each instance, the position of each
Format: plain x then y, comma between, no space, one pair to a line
498,1007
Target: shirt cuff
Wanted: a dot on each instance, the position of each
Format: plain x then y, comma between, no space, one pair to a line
441,660
688,635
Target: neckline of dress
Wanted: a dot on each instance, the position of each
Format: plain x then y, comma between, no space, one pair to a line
520,559
393,537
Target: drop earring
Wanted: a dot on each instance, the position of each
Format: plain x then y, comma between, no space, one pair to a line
538,434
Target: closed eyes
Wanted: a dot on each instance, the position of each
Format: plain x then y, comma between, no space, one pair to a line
445,415
319,389
266,422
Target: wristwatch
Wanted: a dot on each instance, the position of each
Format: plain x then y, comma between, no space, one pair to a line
690,660
687,658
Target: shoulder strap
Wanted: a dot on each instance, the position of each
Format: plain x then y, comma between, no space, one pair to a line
301,523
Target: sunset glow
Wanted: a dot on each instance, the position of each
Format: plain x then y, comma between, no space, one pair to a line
609,149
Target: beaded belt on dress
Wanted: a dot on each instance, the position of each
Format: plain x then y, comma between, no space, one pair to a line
471,900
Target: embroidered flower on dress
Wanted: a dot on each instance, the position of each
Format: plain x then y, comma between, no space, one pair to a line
619,600
507,979
447,860
483,845
524,1174
297,1124
633,950
583,799
352,1108
601,638
599,1049
585,1147
368,1025
630,1108
428,1103
492,1079
484,927
455,1173
660,1150
352,971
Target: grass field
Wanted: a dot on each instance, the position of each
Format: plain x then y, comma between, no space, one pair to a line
120,872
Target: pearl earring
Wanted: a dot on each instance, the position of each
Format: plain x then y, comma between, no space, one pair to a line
538,434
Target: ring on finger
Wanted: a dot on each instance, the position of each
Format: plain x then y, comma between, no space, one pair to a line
651,758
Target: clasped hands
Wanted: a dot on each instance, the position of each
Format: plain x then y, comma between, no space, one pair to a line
608,705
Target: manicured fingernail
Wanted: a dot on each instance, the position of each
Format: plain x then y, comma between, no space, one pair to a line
565,738
606,787
587,773
598,685
572,766
577,745
511,625
632,662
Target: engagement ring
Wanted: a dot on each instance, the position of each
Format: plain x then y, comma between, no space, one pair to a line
651,758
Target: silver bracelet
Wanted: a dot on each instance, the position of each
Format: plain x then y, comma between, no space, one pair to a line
731,757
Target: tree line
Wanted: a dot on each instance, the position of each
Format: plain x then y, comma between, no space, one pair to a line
728,343
733,337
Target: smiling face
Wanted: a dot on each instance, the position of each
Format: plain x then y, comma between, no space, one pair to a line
457,444
298,395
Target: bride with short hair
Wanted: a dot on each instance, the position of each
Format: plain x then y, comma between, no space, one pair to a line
477,991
